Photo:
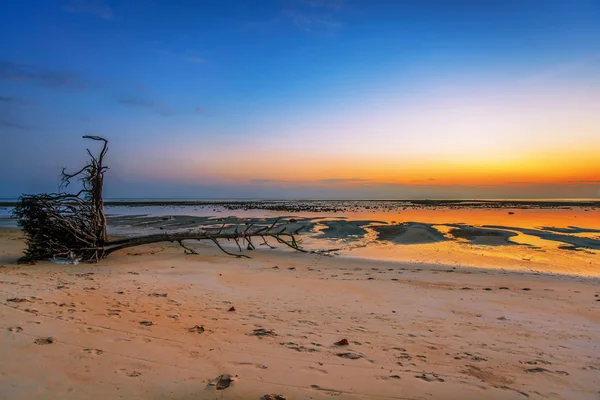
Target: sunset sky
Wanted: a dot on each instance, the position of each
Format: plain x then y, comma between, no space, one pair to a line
304,98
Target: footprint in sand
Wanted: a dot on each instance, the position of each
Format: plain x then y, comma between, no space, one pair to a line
94,352
131,374
538,370
469,356
44,340
387,378
429,377
88,330
349,356
331,392
18,300
273,397
318,370
298,347
536,362
256,365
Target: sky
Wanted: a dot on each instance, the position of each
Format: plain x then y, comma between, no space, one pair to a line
304,98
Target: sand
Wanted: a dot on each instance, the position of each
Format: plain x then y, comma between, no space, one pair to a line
153,323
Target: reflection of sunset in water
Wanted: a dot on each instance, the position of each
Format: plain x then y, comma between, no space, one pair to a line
556,240
528,252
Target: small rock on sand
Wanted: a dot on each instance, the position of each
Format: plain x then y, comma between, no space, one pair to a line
221,382
273,397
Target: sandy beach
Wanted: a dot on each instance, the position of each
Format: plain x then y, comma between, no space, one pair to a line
153,323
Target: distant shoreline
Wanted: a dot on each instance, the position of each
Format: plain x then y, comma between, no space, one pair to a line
344,205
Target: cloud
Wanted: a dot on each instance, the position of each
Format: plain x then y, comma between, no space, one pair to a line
312,22
14,72
572,182
560,70
428,180
15,100
336,181
263,181
92,7
201,110
189,56
521,183
310,16
151,105
584,182
195,59
11,124
333,4
148,104
328,181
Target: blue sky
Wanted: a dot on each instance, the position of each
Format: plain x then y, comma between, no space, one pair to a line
303,98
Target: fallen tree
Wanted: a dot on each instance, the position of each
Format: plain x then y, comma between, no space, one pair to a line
74,226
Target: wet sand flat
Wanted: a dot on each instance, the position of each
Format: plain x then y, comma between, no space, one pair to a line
153,323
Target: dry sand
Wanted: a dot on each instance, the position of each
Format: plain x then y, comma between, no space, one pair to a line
121,328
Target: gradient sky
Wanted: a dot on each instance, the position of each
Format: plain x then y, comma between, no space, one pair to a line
305,98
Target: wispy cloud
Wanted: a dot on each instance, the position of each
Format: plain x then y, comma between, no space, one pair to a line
264,181
11,124
337,181
15,100
189,56
195,59
203,111
328,181
310,16
517,183
584,182
92,7
559,70
151,105
311,21
428,180
14,72
333,4
570,182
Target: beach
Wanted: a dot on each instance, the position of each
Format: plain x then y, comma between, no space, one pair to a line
300,199
153,323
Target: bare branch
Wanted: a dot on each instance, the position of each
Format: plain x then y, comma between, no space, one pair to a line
189,250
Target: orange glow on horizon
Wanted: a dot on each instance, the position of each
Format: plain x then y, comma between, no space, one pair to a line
558,168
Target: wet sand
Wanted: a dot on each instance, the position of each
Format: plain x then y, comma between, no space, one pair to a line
153,323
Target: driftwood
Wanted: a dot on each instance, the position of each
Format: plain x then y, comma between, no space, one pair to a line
245,237
74,225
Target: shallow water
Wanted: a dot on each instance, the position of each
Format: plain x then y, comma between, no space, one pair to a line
556,240
529,239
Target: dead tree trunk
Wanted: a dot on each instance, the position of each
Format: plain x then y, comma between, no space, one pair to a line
75,226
